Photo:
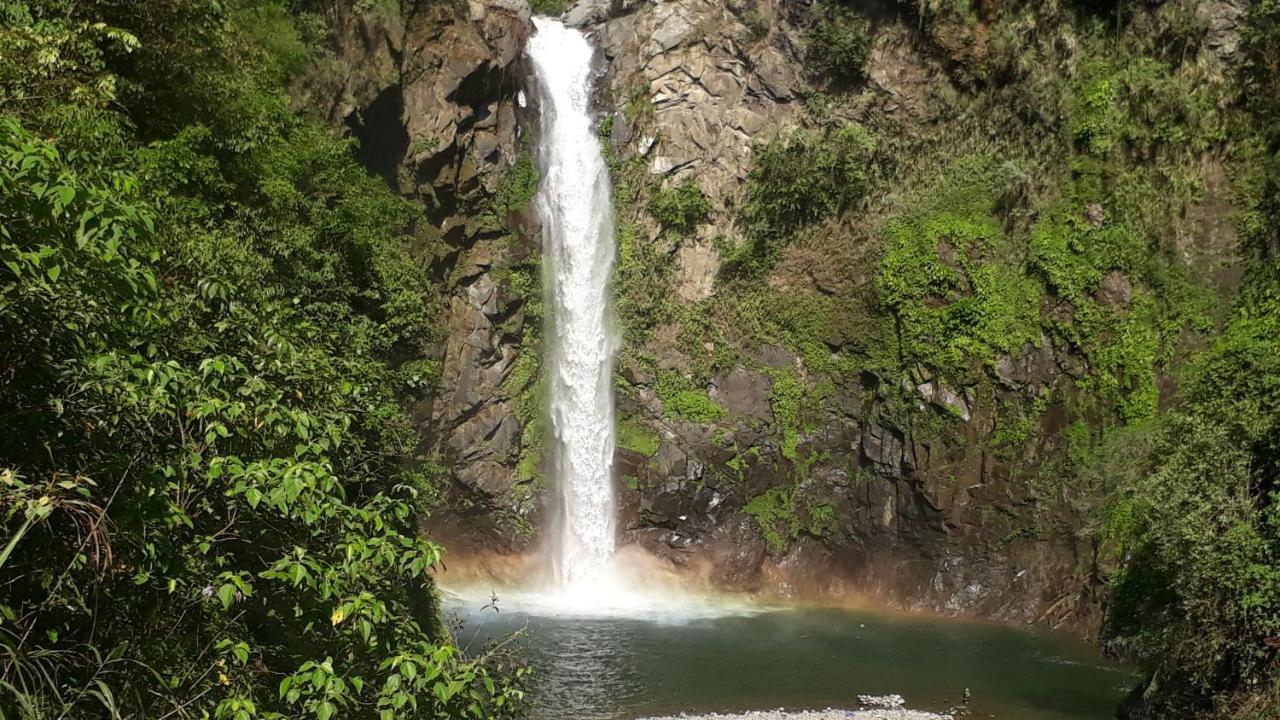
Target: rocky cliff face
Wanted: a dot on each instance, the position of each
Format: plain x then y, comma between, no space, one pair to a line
432,90
797,472
766,442
860,503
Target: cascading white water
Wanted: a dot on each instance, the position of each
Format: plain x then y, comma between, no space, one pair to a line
574,202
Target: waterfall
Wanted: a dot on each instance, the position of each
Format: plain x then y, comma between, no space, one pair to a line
574,202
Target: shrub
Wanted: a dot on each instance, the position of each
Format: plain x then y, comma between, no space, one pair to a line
1260,70
549,7
950,276
1144,104
637,437
518,185
839,43
803,323
1199,594
798,180
794,403
804,177
209,314
775,514
680,209
681,399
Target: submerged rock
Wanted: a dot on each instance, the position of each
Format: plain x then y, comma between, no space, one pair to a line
882,701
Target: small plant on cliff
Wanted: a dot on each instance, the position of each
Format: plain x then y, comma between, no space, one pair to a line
798,180
775,514
839,44
681,399
549,7
793,401
635,436
680,209
518,186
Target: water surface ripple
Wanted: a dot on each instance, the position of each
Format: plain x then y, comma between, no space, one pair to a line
615,668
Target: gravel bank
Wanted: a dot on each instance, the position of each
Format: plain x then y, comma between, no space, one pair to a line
830,714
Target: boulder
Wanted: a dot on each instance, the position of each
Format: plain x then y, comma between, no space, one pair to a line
744,393
1221,20
697,265
883,448
945,398
1115,290
1033,367
711,101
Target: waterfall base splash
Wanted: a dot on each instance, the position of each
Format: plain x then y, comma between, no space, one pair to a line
638,586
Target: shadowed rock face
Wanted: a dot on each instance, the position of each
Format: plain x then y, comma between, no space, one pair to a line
433,95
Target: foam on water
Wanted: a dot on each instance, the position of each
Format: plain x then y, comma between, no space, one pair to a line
663,606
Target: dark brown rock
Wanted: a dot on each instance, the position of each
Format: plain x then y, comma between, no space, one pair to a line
744,393
1115,290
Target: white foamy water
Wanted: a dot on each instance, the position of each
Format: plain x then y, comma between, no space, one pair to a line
575,204
664,606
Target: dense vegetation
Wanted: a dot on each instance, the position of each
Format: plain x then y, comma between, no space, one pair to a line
1199,591
210,321
1100,189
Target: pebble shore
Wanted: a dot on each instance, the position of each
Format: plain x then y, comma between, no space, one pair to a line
830,714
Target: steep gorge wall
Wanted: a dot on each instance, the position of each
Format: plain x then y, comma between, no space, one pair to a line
432,92
777,435
853,499
784,433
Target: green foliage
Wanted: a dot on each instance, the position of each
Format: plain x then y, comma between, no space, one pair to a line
518,186
1261,88
804,177
638,437
945,9
527,386
949,274
549,7
1015,427
756,21
1199,594
782,517
1260,70
642,271
787,400
210,323
794,403
806,324
385,8
839,44
681,209
1143,104
1213,495
775,514
1089,234
681,399
798,180
823,521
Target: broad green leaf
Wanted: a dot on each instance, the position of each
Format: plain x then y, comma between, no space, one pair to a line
227,594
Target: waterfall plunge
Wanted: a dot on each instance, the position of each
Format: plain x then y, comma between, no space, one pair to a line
574,202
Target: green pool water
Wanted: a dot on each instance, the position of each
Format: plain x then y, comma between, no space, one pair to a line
617,668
